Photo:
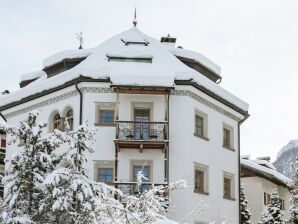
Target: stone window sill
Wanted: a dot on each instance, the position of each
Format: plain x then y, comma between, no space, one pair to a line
230,199
201,137
200,192
229,148
105,125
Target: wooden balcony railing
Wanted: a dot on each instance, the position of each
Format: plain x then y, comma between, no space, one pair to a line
141,131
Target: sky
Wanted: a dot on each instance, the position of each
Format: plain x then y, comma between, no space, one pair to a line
255,43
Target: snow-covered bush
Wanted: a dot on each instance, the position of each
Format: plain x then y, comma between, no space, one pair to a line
272,213
293,209
245,213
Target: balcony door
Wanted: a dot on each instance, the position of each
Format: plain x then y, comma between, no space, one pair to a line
142,129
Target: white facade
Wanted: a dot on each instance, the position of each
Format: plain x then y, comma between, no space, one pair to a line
185,150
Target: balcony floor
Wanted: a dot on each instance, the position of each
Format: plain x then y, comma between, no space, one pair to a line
140,144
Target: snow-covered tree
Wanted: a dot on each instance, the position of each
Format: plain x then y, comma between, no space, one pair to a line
70,196
26,170
147,207
272,213
293,209
245,213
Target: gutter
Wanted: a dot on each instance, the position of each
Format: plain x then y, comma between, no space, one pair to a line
239,163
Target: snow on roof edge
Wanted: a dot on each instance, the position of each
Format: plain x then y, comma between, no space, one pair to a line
278,176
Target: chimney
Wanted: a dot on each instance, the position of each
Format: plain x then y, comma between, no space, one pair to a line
168,40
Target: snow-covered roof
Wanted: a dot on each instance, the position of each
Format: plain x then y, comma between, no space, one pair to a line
258,166
33,75
163,70
180,52
69,54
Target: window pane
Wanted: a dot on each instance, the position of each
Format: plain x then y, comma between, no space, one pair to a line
227,188
226,137
199,180
105,175
199,125
106,117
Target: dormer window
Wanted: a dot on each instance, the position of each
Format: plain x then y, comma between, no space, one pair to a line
130,59
127,42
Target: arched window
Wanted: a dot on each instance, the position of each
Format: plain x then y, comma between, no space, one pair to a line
57,122
69,118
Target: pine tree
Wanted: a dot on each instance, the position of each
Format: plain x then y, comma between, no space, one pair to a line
71,196
272,213
245,213
293,209
26,171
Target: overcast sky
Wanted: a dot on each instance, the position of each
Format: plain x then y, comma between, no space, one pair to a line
255,42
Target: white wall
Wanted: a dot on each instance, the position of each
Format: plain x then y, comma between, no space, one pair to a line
254,188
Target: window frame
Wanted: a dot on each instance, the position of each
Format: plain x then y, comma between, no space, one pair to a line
105,168
59,121
203,169
104,164
266,198
230,129
70,117
232,190
104,106
204,118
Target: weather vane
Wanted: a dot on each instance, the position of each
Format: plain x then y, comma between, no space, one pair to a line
81,39
135,18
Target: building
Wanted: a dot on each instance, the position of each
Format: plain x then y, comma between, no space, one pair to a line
259,178
156,107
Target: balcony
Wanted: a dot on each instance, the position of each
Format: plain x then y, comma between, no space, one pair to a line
141,135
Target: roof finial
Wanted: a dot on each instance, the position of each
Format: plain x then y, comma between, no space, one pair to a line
135,18
81,39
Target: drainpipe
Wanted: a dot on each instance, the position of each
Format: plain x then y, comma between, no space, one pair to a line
239,164
81,102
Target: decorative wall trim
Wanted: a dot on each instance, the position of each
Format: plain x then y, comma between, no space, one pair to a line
74,93
58,99
205,102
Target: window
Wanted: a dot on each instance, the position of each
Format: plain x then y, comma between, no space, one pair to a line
57,122
144,165
69,119
267,198
3,143
105,175
282,204
106,117
228,137
104,171
201,179
229,186
105,114
201,125
130,59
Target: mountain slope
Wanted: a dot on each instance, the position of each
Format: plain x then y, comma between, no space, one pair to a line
286,157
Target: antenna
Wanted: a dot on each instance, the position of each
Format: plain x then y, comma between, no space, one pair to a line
135,18
81,39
